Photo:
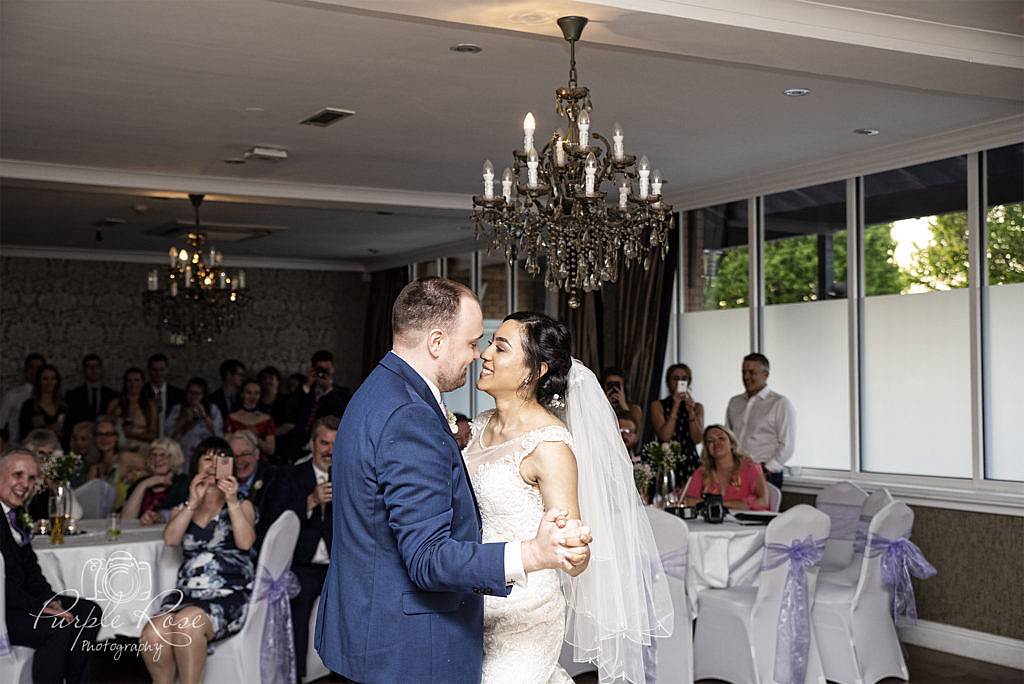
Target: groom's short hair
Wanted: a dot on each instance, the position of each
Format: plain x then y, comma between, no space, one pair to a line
425,304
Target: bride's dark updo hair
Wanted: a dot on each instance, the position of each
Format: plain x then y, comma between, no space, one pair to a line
545,340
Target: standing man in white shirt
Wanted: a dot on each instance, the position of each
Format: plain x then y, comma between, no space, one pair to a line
764,421
166,396
10,405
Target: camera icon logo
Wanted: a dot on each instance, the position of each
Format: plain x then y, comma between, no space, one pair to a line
119,578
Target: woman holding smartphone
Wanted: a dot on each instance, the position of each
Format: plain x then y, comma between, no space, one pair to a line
678,418
216,531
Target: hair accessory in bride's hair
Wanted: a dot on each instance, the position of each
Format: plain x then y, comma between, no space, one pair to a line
556,402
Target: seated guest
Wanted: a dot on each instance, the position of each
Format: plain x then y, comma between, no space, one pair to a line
678,418
107,447
255,478
629,433
318,397
226,399
250,417
195,420
306,489
89,400
45,408
465,432
14,397
722,463
166,487
216,531
120,467
165,396
60,628
614,382
135,410
82,441
272,399
293,383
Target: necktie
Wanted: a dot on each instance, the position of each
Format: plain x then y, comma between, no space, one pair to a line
12,516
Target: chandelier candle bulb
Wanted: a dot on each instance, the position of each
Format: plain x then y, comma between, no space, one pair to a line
623,196
173,254
656,183
591,173
188,276
241,279
221,281
529,126
506,185
584,127
152,281
183,256
488,180
234,284
618,148
174,288
532,161
644,169
559,148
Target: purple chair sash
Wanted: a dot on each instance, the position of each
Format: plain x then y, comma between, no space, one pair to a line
844,517
676,562
277,649
794,627
900,559
5,644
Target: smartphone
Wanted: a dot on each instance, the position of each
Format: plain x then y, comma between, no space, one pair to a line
682,386
224,467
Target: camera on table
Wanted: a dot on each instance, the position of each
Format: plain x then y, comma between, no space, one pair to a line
714,508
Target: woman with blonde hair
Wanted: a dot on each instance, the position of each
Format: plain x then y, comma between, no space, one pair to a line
728,471
152,497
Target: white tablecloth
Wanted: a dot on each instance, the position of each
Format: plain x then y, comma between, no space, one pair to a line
721,556
127,578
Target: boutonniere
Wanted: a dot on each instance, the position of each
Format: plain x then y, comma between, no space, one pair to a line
256,485
452,422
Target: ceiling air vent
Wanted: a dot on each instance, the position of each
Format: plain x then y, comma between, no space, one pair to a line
327,116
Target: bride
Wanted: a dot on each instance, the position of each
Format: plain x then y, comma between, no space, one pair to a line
523,459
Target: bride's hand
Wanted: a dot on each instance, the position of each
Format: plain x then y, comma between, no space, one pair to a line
575,535
551,549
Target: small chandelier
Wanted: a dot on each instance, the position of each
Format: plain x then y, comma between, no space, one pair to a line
198,300
551,204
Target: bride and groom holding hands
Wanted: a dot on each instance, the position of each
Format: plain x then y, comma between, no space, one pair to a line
477,566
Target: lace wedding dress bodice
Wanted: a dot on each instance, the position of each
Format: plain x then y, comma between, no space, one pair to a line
523,632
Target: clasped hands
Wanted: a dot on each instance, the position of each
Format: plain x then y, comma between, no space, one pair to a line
561,544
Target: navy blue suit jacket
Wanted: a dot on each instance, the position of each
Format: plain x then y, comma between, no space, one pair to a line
403,598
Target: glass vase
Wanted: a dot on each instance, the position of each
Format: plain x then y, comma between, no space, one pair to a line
60,511
664,488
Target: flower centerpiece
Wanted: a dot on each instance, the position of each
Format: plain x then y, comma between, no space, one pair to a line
58,469
643,473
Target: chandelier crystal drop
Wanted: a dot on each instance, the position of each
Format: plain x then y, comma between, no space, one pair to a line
199,299
551,206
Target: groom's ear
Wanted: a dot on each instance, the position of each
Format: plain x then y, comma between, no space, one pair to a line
435,342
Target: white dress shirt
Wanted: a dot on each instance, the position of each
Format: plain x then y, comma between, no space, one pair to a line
765,425
514,571
321,555
14,532
10,410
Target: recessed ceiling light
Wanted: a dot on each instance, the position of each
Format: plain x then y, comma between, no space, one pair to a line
385,213
468,48
234,160
866,131
327,116
796,92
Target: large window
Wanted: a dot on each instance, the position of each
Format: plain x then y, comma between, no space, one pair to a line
916,391
1004,319
806,318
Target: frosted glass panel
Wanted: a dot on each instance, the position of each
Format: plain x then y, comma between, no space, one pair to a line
1006,427
917,384
808,347
714,344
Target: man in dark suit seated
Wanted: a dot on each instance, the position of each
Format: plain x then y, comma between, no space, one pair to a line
90,400
306,489
61,629
318,397
227,398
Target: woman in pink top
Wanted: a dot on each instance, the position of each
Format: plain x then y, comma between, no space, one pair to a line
723,462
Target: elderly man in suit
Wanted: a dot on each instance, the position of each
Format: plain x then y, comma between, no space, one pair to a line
60,628
305,488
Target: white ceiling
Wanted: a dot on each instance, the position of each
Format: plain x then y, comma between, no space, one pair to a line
104,102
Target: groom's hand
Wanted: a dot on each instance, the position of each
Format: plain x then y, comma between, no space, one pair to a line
551,548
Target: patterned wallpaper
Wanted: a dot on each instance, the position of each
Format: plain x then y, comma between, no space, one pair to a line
65,309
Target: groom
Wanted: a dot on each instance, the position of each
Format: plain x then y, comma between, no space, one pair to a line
403,598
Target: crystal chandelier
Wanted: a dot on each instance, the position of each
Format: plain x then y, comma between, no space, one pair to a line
198,300
551,203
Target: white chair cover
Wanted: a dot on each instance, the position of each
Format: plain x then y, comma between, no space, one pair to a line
237,658
673,657
15,661
842,501
315,668
96,498
848,576
738,628
774,497
853,624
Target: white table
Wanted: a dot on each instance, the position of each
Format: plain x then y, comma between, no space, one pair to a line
127,578
722,555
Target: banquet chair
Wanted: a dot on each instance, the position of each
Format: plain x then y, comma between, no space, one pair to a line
738,628
315,668
15,661
853,625
774,497
848,576
96,498
842,501
674,655
236,658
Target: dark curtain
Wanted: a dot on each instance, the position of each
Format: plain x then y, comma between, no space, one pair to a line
384,289
586,328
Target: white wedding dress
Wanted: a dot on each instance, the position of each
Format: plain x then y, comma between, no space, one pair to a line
523,632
